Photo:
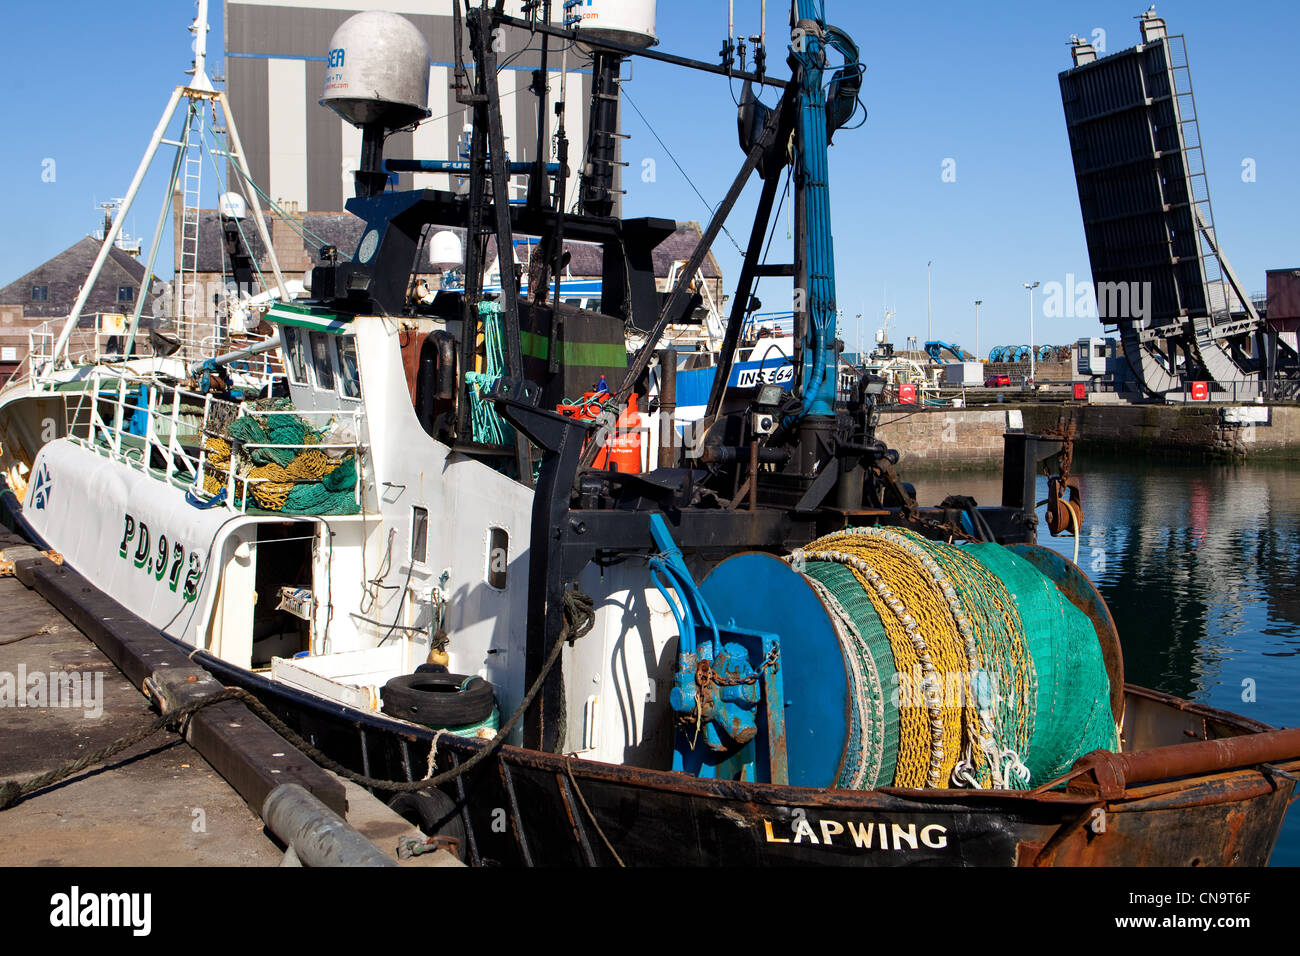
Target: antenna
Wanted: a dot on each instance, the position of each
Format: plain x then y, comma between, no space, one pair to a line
759,41
729,47
200,30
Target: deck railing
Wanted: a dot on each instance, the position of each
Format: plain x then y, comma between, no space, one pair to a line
161,431
104,343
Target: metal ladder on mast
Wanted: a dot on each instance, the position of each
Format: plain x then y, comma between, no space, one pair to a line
188,311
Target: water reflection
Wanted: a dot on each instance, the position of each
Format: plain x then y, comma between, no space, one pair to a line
1199,565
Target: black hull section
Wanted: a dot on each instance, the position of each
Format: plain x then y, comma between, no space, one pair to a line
523,807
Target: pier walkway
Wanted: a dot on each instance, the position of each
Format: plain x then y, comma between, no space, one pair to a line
158,803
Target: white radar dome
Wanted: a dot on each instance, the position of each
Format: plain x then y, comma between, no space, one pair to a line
629,22
377,71
231,206
445,250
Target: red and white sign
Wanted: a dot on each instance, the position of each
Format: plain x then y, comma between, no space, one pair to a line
1080,391
1200,391
907,394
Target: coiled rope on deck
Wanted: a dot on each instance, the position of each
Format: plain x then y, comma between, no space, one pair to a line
293,480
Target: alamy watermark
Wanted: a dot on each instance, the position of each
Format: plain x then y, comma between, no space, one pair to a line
1109,301
76,909
952,689
70,689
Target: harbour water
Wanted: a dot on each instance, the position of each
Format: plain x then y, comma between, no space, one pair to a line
1199,565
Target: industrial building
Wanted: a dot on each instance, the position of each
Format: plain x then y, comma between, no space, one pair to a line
305,157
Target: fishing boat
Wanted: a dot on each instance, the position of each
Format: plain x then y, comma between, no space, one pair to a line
762,650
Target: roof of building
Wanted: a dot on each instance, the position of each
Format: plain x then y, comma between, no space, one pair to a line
64,275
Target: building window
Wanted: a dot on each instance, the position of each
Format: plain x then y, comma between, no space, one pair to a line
125,293
40,293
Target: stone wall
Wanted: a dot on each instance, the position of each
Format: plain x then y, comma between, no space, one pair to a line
945,438
972,437
1184,431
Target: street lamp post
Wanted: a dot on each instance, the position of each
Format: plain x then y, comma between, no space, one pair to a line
1031,289
929,305
978,303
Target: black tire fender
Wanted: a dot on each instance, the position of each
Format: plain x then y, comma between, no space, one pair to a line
439,700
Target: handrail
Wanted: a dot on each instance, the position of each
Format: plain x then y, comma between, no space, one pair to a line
110,410
89,345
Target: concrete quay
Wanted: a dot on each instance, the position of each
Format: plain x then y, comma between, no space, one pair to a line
971,437
160,802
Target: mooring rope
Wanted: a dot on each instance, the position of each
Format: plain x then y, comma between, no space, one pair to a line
579,617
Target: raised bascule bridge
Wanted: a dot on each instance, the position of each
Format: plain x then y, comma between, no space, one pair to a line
1159,270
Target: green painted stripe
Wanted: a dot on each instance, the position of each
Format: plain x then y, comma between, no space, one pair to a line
580,354
306,317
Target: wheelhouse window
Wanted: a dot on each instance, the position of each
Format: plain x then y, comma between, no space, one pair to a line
295,349
349,376
40,293
320,359
419,534
125,293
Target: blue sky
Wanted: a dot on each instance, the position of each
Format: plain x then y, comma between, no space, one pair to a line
975,83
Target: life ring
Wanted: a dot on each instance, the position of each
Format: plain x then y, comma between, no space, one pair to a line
439,700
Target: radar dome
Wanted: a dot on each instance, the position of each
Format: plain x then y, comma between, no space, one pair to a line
445,251
629,22
231,206
377,71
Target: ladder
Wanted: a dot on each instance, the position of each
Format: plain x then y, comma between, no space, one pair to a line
188,302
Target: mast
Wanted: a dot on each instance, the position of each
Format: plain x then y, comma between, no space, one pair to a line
198,94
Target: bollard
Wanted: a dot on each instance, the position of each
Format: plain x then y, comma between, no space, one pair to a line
316,834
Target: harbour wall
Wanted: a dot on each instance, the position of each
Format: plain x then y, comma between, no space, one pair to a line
946,438
972,437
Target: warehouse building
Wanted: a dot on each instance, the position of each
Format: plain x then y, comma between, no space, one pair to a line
303,155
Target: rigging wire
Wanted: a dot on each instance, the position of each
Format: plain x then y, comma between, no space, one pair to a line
690,181
305,234
223,149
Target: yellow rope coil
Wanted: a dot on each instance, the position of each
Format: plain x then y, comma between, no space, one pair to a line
269,484
948,618
999,634
311,465
272,495
925,640
218,450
